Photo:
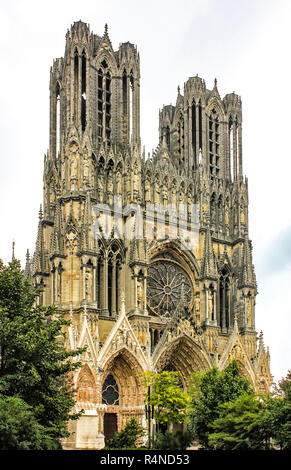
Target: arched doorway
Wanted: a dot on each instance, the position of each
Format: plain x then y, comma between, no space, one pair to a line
122,392
110,397
110,425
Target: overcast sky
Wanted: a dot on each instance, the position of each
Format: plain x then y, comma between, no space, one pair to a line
245,44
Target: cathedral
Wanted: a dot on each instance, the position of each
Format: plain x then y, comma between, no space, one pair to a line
148,256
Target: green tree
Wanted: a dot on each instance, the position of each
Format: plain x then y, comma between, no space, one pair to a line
127,437
169,400
239,426
19,429
277,417
209,389
34,365
172,440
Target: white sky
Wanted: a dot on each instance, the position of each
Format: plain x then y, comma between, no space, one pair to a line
245,44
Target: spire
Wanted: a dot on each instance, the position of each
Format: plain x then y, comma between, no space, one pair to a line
106,35
209,269
261,347
247,276
27,269
38,262
56,240
13,251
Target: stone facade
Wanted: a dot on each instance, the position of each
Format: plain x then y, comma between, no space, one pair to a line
138,296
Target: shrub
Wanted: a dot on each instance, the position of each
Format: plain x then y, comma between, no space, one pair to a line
175,440
127,437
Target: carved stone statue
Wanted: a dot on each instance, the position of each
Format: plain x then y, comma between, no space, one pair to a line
110,188
157,192
73,166
226,214
118,183
88,283
100,188
174,195
165,194
210,302
147,190
135,184
86,170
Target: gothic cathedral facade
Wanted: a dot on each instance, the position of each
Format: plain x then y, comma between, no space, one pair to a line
143,292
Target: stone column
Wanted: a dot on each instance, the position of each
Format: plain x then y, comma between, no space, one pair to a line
197,133
234,151
214,306
240,170
94,283
105,281
145,294
84,281
113,288
206,304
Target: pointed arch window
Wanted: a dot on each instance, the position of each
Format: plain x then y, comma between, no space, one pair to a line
76,84
180,139
58,120
224,299
200,124
131,89
83,90
214,150
194,124
233,147
110,392
114,265
104,103
230,137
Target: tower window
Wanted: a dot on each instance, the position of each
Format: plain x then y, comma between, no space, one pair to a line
100,105
104,104
58,120
76,84
230,127
224,300
83,93
200,124
214,155
194,126
131,82
180,132
168,137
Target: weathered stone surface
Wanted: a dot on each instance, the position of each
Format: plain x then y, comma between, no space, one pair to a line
142,297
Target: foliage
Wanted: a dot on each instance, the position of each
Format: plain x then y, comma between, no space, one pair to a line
209,389
176,440
19,429
169,401
127,437
239,426
34,365
277,417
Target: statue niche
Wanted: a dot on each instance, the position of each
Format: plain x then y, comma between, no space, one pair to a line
86,386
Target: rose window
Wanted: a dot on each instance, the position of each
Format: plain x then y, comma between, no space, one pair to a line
167,282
